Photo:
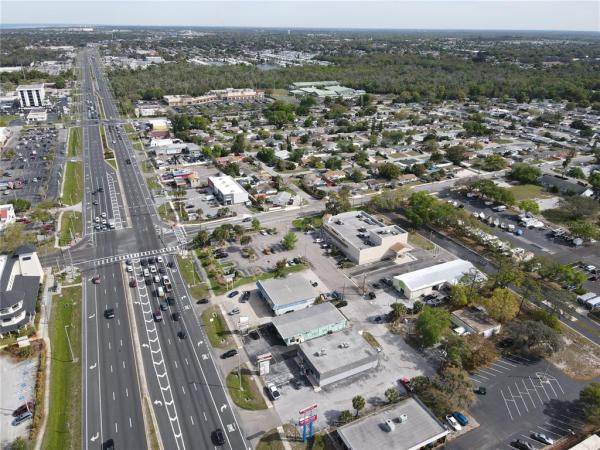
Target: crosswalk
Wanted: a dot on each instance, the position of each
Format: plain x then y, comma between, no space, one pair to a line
133,256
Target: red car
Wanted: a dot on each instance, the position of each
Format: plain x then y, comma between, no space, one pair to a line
406,383
23,409
96,279
132,283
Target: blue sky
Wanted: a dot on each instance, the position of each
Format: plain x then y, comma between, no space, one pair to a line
414,14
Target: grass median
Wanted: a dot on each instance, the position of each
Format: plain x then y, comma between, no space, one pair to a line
75,142
216,328
166,213
247,395
73,183
71,226
196,286
63,429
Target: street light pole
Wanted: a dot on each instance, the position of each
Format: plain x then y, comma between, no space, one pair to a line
73,359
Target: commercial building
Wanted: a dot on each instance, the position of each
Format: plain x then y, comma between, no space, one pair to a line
322,89
220,95
473,320
7,215
364,239
407,425
37,115
31,95
227,190
423,281
336,357
309,323
20,277
293,293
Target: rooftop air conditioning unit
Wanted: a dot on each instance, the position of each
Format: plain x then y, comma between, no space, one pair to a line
403,418
390,425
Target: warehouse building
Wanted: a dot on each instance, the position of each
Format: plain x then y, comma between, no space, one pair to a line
309,323
31,95
227,190
336,357
407,425
293,293
364,239
423,281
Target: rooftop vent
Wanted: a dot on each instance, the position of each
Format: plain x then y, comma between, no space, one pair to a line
390,425
344,345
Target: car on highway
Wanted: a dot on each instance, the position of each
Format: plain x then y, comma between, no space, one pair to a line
233,294
109,445
159,259
103,215
164,307
109,313
23,408
132,283
218,437
542,438
143,262
182,334
157,315
97,219
129,268
453,423
96,279
229,353
273,392
176,316
22,418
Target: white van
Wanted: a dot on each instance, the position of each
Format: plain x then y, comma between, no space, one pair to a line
160,291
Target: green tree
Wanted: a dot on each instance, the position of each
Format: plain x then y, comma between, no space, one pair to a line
590,398
576,172
338,202
594,179
40,215
398,311
358,403
460,295
528,205
502,305
456,154
201,240
289,240
20,205
280,268
584,230
431,325
392,395
546,317
255,224
389,171
345,417
333,163
493,163
20,443
524,173
245,240
533,337
357,175
232,169
266,155
13,236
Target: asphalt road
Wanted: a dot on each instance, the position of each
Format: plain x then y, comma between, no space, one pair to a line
185,388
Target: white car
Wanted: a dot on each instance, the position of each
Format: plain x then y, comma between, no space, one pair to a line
318,240
97,219
129,269
103,215
453,423
273,392
152,269
159,259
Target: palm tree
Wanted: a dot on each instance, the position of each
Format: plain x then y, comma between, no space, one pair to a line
358,403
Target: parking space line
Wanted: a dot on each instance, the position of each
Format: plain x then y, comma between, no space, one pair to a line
495,370
570,418
474,379
513,361
561,421
566,430
550,431
526,392
506,404
488,373
519,396
499,364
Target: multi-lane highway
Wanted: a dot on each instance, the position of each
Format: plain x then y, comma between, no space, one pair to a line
176,376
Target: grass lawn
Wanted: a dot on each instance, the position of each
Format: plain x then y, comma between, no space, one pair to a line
197,288
371,339
153,183
75,142
129,128
529,191
249,397
166,212
417,240
147,166
64,422
5,120
73,221
306,223
216,328
283,94
271,440
137,146
112,162
73,183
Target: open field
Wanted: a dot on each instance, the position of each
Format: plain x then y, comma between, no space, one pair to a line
529,191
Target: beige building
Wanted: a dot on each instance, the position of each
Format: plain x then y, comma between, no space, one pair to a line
220,95
364,239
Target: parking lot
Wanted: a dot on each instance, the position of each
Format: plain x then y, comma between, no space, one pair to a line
524,396
30,168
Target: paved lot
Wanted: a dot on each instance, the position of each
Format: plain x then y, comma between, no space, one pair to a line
18,384
524,396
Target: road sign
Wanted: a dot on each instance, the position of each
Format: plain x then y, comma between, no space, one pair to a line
308,408
307,420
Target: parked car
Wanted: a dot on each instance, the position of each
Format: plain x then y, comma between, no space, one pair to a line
405,382
176,316
202,301
229,353
461,418
22,418
371,295
234,311
23,409
542,438
522,445
273,392
233,294
453,423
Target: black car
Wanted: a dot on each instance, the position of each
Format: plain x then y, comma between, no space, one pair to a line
143,262
170,264
202,301
341,304
233,294
245,296
170,301
218,437
522,445
296,383
182,334
229,353
163,307
108,445
371,295
100,189
109,313
176,316
151,260
481,390
162,270
254,334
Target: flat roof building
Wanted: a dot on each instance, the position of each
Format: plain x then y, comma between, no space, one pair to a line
423,281
309,323
364,239
219,95
475,321
293,293
407,425
37,115
322,89
31,95
336,357
227,190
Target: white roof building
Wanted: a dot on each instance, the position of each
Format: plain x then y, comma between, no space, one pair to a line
227,190
423,281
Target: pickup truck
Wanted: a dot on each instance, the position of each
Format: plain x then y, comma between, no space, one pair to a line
167,284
